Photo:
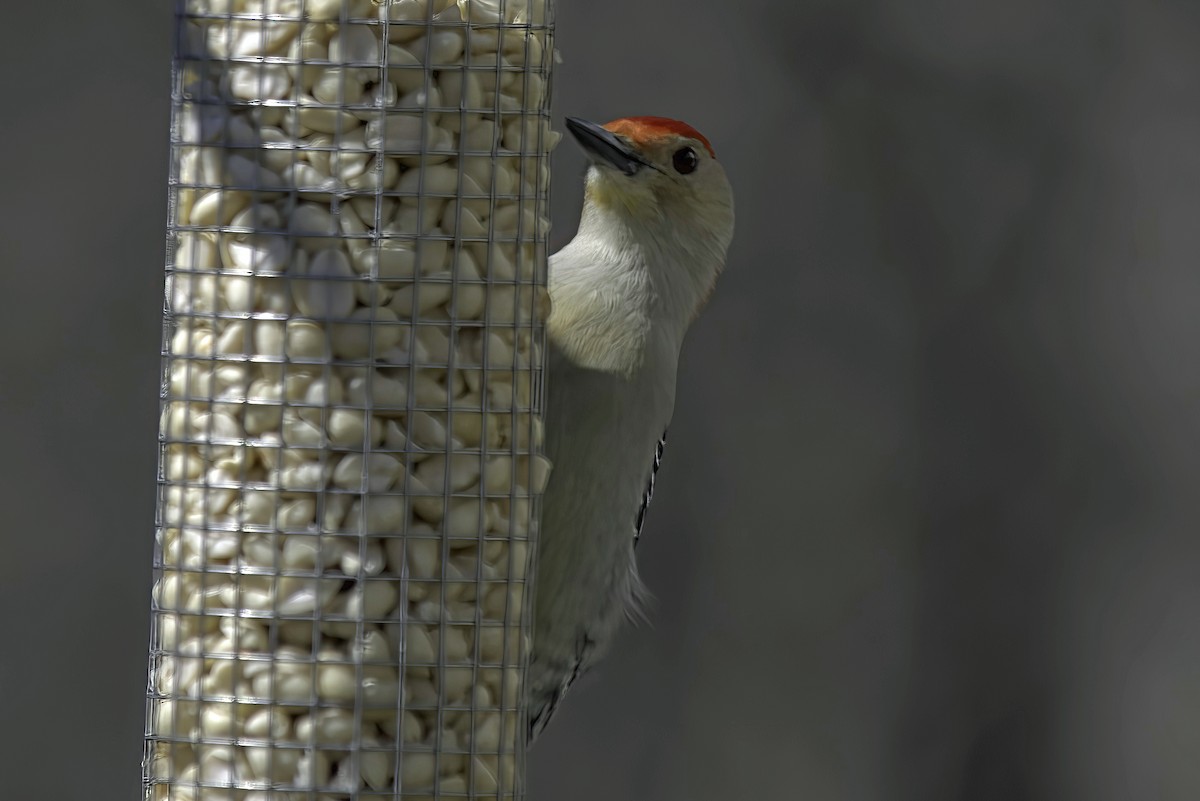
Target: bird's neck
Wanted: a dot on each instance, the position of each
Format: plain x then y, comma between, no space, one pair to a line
617,289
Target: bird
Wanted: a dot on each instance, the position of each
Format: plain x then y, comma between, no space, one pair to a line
655,228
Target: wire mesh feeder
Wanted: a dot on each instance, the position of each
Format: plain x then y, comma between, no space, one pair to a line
350,441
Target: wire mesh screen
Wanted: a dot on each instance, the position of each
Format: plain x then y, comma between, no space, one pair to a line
350,439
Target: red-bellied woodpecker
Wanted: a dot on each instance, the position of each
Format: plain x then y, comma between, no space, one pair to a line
657,220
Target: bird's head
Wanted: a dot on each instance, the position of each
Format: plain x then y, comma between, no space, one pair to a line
660,177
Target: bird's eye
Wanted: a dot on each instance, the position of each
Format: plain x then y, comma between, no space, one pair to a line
685,160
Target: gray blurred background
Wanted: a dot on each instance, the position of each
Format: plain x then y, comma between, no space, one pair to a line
927,525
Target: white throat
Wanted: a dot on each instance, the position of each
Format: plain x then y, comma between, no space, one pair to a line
621,284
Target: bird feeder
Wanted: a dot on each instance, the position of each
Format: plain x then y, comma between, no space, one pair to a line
350,441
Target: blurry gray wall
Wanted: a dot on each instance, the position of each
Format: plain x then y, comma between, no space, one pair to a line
927,526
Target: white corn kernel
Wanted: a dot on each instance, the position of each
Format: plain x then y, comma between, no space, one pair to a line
328,293
339,329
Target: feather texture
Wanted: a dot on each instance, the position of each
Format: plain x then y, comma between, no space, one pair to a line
623,293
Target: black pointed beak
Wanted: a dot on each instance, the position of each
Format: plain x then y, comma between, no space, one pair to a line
602,145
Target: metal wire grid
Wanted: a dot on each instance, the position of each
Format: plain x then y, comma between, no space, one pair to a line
350,445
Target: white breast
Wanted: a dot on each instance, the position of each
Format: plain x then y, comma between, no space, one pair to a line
602,430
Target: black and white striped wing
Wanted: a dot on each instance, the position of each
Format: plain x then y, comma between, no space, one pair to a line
541,714
641,514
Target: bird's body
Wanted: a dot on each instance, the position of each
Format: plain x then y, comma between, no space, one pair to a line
623,293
